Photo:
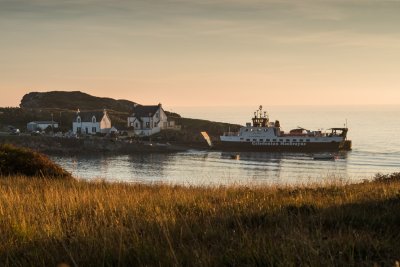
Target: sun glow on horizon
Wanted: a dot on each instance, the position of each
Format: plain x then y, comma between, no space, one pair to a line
199,53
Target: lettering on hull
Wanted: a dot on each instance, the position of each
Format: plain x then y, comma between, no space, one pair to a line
277,144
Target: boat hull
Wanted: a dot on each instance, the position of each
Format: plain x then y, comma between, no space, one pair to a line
279,147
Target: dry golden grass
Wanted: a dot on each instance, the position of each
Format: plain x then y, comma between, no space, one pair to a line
47,222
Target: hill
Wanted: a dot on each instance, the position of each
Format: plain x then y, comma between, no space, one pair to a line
73,101
62,107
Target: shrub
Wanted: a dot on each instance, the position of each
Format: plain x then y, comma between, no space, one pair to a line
22,161
379,177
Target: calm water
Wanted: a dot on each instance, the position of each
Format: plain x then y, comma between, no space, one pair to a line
375,132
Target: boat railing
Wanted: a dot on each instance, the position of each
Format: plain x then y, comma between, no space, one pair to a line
311,135
231,134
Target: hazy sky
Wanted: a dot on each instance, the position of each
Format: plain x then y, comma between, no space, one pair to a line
203,52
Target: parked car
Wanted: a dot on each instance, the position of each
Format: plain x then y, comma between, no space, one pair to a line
15,131
36,133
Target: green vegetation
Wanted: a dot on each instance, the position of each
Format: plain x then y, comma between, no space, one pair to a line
45,222
19,117
191,129
22,161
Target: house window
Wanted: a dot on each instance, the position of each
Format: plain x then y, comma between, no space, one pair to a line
94,119
248,140
78,130
261,140
79,120
137,125
147,124
94,129
301,140
307,140
274,140
157,115
155,124
294,140
267,140
255,140
280,140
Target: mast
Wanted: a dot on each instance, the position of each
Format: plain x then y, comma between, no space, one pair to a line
260,118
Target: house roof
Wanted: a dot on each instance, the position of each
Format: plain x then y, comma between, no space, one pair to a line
87,116
43,122
145,111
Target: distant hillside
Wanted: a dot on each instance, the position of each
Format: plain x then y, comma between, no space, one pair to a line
73,101
62,107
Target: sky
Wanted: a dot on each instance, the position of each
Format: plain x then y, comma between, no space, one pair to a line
203,52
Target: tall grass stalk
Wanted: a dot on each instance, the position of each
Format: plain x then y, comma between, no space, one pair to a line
45,222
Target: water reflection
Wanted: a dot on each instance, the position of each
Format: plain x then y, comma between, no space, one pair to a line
216,168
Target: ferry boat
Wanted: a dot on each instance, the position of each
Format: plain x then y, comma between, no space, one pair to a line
266,136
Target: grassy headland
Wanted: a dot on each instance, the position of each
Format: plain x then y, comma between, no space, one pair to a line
44,222
22,161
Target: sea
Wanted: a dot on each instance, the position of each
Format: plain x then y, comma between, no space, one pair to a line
374,131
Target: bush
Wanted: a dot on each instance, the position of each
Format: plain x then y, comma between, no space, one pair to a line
379,177
22,161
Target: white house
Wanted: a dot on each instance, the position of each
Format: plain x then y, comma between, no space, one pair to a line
148,120
91,123
41,125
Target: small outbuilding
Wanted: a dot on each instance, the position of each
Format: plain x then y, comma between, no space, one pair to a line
41,125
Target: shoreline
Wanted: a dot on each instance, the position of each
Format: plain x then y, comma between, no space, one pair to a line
82,146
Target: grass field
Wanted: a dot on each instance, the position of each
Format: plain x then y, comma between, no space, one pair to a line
46,222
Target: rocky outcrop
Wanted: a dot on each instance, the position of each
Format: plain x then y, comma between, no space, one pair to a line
73,101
